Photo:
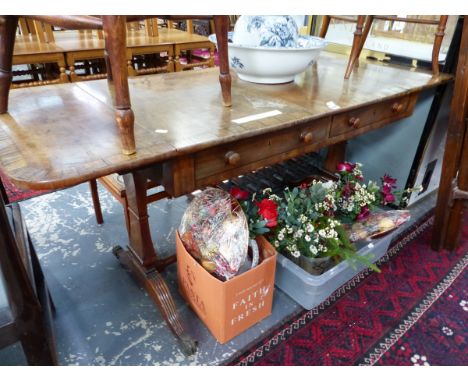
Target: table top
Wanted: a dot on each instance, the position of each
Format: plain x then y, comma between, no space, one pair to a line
60,135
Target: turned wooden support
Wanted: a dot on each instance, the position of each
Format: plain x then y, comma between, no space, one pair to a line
140,242
221,28
8,26
115,39
355,50
325,24
439,36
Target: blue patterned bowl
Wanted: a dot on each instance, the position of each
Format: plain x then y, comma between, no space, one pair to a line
266,31
272,65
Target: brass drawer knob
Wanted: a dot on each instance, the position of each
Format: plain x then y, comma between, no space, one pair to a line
354,122
397,107
232,158
306,137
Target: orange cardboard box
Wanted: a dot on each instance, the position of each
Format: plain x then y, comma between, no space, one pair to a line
230,307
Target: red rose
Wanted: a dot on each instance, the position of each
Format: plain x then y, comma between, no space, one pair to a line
239,193
268,210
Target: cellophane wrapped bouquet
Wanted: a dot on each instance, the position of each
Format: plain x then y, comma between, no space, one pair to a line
214,231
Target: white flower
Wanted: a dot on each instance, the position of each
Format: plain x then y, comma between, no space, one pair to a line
296,254
447,331
419,360
307,238
313,249
463,304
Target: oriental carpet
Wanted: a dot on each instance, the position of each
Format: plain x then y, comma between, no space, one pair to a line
15,194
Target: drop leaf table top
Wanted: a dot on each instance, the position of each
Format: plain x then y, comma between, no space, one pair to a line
61,135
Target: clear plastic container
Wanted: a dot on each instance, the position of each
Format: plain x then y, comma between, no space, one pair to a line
309,290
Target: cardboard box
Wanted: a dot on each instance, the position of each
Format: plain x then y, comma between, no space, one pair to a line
230,307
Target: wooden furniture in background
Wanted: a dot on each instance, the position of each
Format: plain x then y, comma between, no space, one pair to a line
191,146
115,185
364,25
36,49
185,45
453,188
115,44
438,36
145,42
26,315
358,40
84,53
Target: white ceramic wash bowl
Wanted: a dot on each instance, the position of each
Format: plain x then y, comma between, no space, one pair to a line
268,65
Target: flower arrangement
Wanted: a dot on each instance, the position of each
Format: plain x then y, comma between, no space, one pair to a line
302,223
356,199
307,226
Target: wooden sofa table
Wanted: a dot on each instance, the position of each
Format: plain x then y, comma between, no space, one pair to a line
63,135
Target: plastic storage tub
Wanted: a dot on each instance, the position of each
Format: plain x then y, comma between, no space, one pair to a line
309,290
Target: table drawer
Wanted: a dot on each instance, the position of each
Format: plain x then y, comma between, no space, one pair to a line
225,158
356,119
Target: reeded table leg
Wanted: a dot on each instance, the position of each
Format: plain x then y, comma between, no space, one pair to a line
142,260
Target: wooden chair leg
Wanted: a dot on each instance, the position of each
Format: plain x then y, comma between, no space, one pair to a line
8,25
96,202
365,34
325,24
115,40
439,36
354,55
221,24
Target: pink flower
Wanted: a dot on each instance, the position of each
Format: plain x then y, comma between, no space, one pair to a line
239,193
268,210
387,179
363,214
345,167
388,198
347,190
386,189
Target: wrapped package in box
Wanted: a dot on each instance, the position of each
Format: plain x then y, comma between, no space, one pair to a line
229,307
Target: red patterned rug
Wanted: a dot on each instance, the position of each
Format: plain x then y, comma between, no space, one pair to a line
413,312
15,194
